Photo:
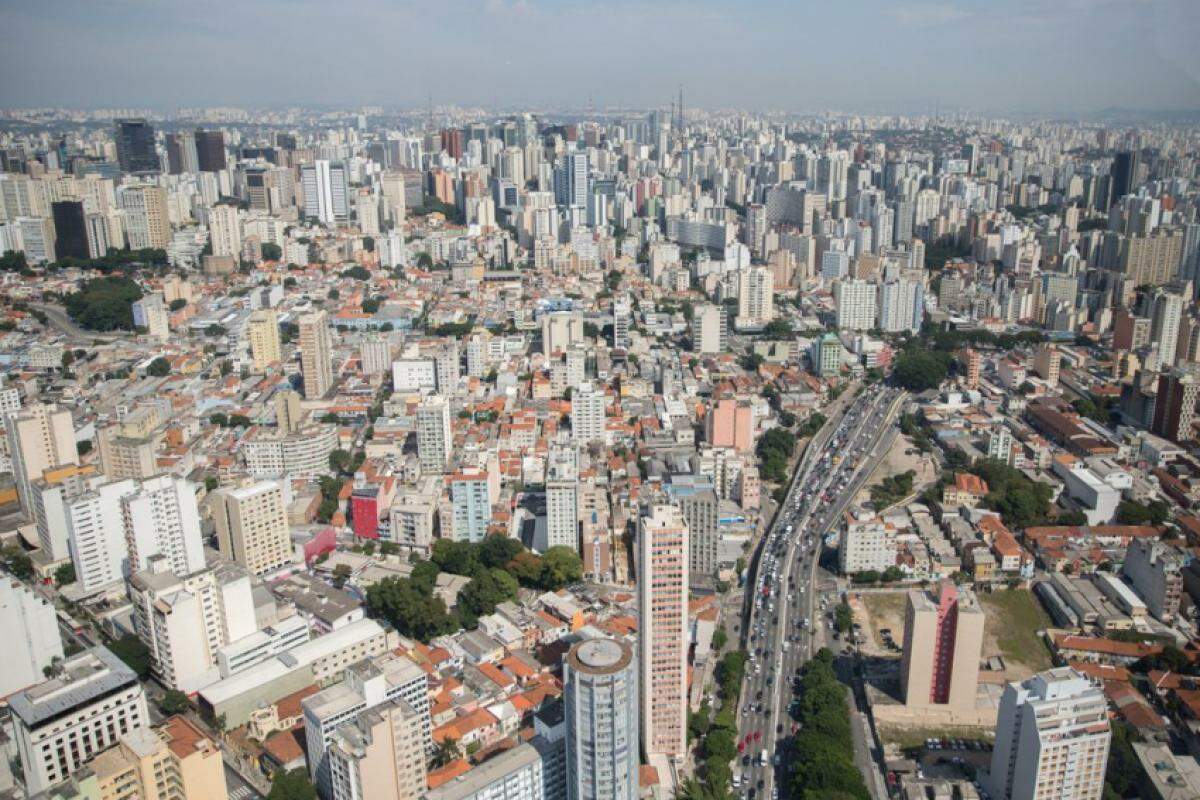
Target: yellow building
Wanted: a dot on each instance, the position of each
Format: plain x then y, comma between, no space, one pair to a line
173,762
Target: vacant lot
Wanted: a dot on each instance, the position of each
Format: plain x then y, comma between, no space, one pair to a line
1014,617
883,610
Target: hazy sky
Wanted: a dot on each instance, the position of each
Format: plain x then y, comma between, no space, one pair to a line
891,55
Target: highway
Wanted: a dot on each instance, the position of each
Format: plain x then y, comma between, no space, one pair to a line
789,591
57,318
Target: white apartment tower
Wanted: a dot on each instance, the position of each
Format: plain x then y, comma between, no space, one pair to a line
1052,737
562,498
588,406
161,518
434,442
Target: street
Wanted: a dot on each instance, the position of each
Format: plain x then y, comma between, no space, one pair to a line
785,627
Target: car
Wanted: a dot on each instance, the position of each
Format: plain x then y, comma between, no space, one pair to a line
758,736
746,760
779,728
760,780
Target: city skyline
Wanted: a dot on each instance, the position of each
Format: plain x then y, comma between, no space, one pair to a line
1018,56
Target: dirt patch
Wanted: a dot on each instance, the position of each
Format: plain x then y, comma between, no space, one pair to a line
876,612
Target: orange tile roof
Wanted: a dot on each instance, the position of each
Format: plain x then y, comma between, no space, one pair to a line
1110,647
456,729
496,675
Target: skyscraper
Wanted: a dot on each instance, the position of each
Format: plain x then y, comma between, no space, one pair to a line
855,301
252,526
210,150
135,146
1052,737
225,230
600,687
262,329
587,414
434,442
326,191
147,223
942,645
1175,408
562,498
756,297
662,578
1124,174
70,229
710,330
316,360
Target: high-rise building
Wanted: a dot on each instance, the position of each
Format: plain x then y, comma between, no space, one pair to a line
756,297
562,498
471,503
380,754
1165,317
855,302
185,620
662,571
1046,362
39,438
181,154
367,685
70,229
588,406
147,223
434,441
901,306
1156,571
326,191
560,330
288,415
150,312
622,322
524,772
252,526
600,685
1124,172
1052,738
210,150
62,723
262,329
701,511
176,761
376,355
1175,408
316,358
710,329
29,629
135,146
973,362
96,532
730,423
225,230
161,519
942,648
37,239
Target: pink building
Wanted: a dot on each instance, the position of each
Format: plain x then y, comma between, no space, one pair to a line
663,630
731,424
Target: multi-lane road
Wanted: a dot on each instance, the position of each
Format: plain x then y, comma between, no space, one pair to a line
789,594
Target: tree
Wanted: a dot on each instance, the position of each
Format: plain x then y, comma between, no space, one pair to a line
215,331
560,566
130,649
211,482
159,368
1131,512
292,784
341,574
497,550
83,447
486,590
17,562
919,370
64,574
271,251
526,568
358,273
339,461
177,304
460,558
412,610
174,702
445,752
104,304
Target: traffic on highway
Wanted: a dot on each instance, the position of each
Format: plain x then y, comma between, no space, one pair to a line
784,629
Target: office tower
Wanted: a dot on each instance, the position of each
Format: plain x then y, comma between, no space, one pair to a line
710,329
176,761
562,498
70,229
471,504
367,685
1129,332
622,320
379,754
1175,408
262,329
135,146
147,223
366,207
39,438
376,355
1124,174
452,142
1152,259
855,302
316,360
288,415
210,150
942,646
252,526
600,684
435,443
571,180
1166,315
756,297
185,620
560,330
96,533
826,355
588,407
1052,736
181,154
36,239
730,423
701,512
29,629
662,573
326,191
62,723
392,187
225,230
161,518
98,241
150,312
